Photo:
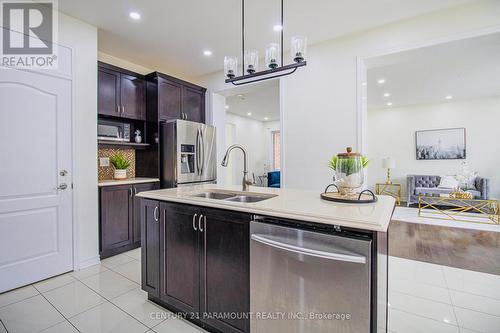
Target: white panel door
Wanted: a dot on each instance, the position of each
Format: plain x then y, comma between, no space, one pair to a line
36,237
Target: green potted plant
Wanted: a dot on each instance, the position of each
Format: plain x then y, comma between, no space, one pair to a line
120,163
348,168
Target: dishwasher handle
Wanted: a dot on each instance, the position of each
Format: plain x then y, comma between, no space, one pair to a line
309,252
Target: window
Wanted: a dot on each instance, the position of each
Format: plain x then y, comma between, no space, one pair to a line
276,136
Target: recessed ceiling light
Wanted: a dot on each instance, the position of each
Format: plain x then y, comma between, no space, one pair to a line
207,53
389,103
249,113
387,95
265,118
449,97
277,27
134,15
381,81
226,107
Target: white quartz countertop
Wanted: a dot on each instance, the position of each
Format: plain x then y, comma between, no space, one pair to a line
138,180
302,205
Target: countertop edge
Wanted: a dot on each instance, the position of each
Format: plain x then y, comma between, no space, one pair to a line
271,213
127,182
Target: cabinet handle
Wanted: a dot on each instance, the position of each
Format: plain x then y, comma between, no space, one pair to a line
135,191
185,116
117,108
123,109
131,193
156,214
199,223
194,224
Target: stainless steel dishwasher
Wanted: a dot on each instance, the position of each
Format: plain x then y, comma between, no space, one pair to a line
308,281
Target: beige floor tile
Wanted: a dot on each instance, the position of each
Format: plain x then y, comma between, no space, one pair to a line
135,253
64,327
55,282
178,326
17,295
30,315
136,304
109,284
106,318
89,271
117,260
73,298
131,270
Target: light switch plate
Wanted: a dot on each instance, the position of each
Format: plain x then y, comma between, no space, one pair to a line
104,161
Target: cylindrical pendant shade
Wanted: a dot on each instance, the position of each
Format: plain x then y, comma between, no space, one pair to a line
251,61
230,66
298,48
272,55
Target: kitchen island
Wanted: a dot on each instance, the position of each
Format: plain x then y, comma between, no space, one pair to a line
266,260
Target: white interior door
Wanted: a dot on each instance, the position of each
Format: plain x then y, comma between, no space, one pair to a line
36,237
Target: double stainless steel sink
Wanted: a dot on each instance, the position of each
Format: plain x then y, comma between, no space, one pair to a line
234,196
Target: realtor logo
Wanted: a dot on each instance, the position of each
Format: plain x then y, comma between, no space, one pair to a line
29,31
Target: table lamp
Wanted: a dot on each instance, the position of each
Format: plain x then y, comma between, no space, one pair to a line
388,163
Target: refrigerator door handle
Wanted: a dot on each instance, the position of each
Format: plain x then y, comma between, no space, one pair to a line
198,147
309,252
202,140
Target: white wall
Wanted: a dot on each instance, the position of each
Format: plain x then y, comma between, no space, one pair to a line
82,38
319,101
391,132
252,135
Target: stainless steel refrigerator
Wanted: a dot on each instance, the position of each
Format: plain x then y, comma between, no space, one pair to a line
187,153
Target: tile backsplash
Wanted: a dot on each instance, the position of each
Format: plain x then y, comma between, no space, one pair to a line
105,173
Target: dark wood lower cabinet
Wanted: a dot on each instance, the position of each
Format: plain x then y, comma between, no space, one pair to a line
203,262
179,262
120,222
225,269
150,251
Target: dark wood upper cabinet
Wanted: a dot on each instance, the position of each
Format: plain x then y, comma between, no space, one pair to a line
170,100
225,268
179,261
193,104
121,93
174,99
150,251
108,97
116,216
133,97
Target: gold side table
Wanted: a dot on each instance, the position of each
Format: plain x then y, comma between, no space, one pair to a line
394,190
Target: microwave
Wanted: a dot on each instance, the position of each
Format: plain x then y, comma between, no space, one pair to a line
113,131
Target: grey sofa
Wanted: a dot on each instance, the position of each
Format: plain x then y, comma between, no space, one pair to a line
428,185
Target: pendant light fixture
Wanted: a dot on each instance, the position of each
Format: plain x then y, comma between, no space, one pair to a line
274,58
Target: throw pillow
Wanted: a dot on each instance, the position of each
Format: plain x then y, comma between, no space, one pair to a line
448,182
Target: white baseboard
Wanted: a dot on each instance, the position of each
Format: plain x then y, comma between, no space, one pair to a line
88,262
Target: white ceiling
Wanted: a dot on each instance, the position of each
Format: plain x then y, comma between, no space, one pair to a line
262,100
172,34
464,69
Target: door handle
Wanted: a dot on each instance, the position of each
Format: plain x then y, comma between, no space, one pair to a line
199,223
62,186
309,252
155,213
194,223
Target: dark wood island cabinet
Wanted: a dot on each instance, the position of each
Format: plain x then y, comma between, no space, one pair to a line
196,260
